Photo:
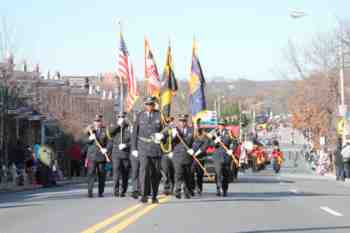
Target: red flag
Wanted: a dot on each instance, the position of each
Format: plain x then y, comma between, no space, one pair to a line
151,72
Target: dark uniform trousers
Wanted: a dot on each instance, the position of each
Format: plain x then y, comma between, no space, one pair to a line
135,174
222,170
234,169
96,168
182,176
168,170
197,176
150,175
121,169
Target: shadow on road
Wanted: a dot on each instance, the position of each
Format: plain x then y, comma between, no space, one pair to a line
217,200
308,229
262,180
278,194
52,193
16,206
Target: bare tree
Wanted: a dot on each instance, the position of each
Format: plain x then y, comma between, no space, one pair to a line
8,43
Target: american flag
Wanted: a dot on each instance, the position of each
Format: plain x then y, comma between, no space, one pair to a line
126,72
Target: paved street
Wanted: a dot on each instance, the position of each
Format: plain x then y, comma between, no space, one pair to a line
291,202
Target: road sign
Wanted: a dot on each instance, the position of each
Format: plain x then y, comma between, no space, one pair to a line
341,126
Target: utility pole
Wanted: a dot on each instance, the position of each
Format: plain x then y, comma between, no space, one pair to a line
219,106
343,106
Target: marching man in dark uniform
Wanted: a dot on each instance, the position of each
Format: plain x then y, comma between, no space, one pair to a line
96,154
168,165
120,154
222,158
182,156
200,144
146,138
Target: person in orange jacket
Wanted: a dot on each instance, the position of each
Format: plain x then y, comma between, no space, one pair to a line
260,157
277,157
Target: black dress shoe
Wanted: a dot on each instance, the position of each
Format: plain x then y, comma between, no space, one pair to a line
144,199
178,195
90,195
122,194
135,195
192,193
225,193
218,193
155,200
166,193
100,195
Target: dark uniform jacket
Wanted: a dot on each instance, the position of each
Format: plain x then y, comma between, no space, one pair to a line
143,130
220,154
115,133
180,154
201,143
93,152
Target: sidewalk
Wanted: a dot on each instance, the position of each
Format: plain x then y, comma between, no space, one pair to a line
10,187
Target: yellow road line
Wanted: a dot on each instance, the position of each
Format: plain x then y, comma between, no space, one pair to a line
130,220
110,220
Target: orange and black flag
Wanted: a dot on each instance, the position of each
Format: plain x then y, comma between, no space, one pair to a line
168,86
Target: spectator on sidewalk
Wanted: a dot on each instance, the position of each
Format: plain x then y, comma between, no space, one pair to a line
346,157
323,163
29,164
74,152
338,161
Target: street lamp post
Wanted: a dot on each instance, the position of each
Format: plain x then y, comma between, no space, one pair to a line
342,107
4,108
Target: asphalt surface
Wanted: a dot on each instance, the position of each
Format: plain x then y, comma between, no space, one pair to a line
293,201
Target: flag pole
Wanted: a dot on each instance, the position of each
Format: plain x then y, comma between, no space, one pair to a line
121,78
145,78
121,86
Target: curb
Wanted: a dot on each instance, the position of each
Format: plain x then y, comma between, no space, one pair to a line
32,188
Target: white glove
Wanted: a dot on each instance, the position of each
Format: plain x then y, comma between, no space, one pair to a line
120,121
135,153
92,137
104,150
217,140
197,152
170,155
158,136
230,152
122,146
190,151
174,132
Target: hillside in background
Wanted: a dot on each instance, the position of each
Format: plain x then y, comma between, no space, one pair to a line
272,94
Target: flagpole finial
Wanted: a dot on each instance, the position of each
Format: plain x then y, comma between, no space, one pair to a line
194,45
119,21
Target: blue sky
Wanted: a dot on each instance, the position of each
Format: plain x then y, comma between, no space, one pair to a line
235,38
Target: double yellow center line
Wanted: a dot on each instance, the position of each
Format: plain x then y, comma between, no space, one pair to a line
141,209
